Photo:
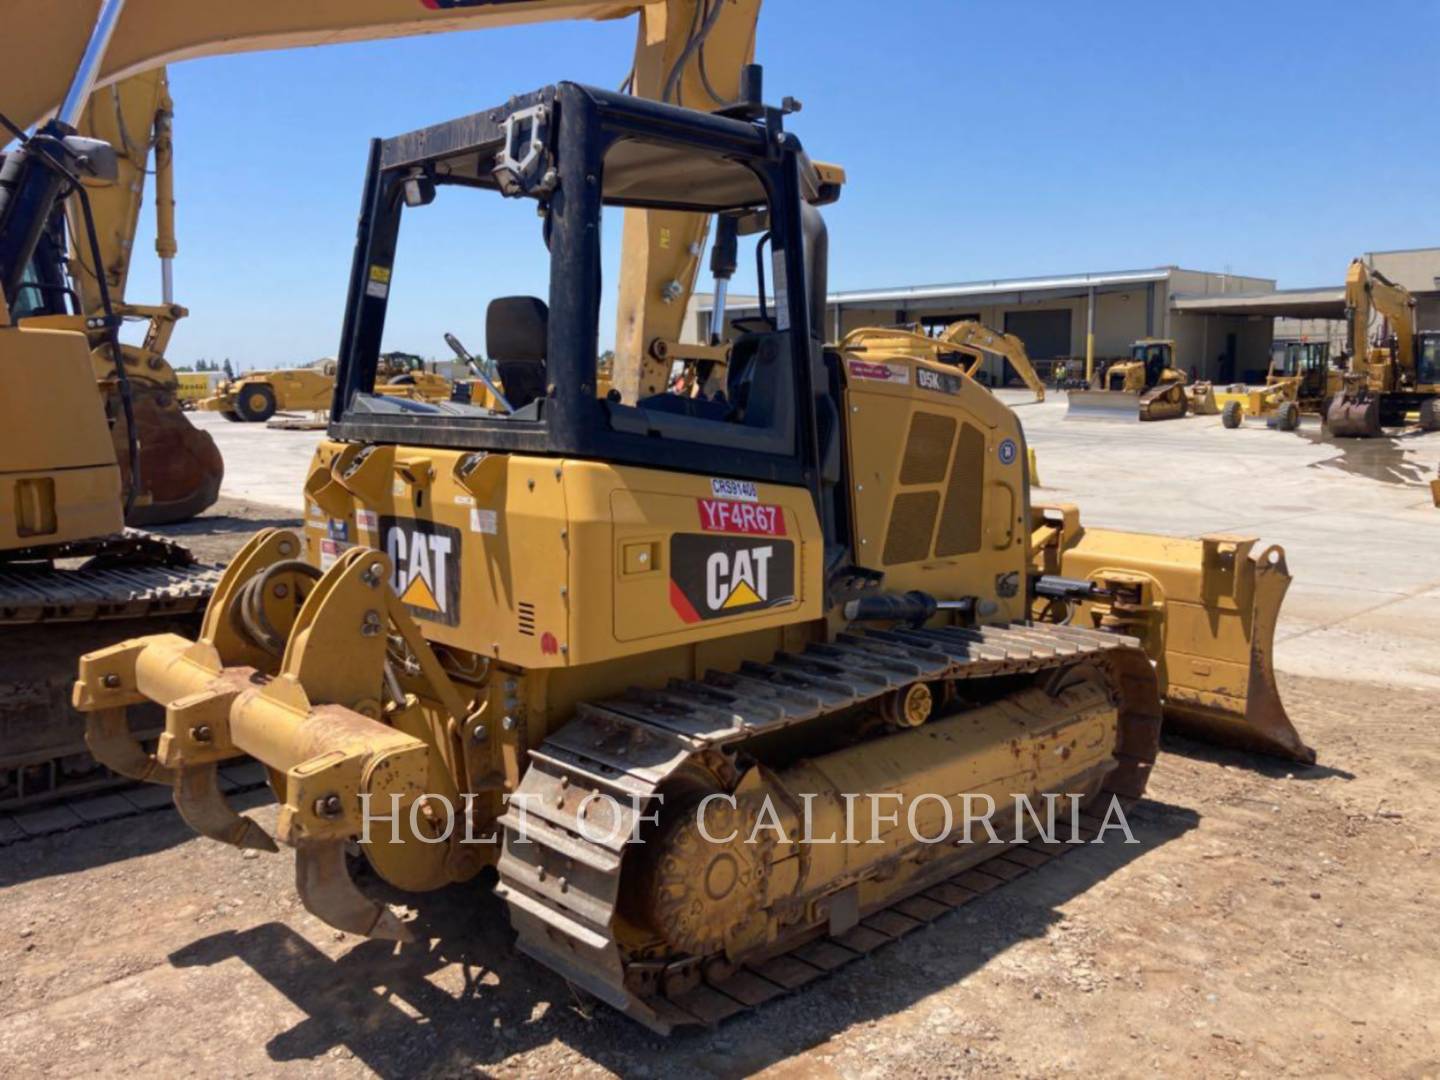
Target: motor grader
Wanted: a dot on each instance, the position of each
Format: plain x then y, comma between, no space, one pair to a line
524,635
1148,386
1299,381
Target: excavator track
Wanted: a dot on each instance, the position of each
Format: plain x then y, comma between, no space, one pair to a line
564,890
57,603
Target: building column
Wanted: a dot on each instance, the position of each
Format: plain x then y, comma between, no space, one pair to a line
1090,335
1150,310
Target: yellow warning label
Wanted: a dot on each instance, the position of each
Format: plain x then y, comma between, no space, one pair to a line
741,595
418,594
380,273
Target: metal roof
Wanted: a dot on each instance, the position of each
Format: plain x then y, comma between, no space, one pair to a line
1322,303
994,290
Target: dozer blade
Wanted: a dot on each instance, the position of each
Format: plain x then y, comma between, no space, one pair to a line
1103,405
1202,399
1205,611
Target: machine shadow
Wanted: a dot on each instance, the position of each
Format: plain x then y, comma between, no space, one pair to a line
113,841
1274,768
461,997
226,523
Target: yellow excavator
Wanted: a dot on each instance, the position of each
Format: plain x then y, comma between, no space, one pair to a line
89,78
1393,371
706,623
1148,386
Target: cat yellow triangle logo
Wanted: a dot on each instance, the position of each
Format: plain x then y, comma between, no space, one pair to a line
741,595
418,594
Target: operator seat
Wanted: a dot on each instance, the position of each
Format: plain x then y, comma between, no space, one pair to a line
516,338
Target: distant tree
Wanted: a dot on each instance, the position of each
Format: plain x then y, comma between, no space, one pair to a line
229,371
183,367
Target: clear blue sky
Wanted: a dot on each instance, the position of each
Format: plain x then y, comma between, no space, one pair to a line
981,140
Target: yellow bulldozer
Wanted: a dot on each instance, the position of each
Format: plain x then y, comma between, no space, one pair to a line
1148,386
577,619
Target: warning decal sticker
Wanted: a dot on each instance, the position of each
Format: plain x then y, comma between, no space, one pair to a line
714,577
427,567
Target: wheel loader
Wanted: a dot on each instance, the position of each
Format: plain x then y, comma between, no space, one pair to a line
1148,386
522,637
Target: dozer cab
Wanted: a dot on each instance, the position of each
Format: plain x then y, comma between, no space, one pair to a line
1146,387
523,636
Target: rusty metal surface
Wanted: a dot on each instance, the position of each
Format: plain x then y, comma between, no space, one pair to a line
564,889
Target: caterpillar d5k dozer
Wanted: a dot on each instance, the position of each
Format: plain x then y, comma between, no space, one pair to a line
1145,387
578,618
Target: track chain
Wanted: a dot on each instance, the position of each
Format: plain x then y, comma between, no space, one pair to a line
563,889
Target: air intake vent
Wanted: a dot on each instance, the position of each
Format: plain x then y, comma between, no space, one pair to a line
927,450
527,619
964,495
912,524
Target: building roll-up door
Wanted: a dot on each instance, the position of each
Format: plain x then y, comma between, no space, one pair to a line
1046,334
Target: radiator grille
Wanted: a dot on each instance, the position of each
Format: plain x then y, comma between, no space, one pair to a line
960,525
927,449
912,524
527,619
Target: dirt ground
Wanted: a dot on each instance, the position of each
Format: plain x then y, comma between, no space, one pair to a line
1271,920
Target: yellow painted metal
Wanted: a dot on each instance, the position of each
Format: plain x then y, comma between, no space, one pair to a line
663,248
975,338
294,389
869,806
1205,611
547,552
55,489
901,502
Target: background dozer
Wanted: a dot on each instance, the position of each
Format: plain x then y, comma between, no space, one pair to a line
1393,368
1148,386
579,618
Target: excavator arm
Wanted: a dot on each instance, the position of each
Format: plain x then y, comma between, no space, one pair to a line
977,337
1368,290
688,52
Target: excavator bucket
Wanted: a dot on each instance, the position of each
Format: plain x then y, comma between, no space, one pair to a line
1205,611
1354,417
1103,405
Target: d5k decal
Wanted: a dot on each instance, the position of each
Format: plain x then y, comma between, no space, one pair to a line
427,567
714,577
